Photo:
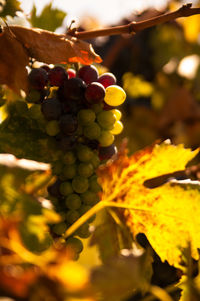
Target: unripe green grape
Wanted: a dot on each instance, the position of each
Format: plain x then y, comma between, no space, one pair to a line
75,244
106,119
33,96
94,185
73,201
66,188
80,184
117,129
84,153
92,131
72,216
89,198
57,167
60,228
95,160
69,158
85,169
69,171
83,231
115,95
35,112
106,138
97,107
86,116
52,128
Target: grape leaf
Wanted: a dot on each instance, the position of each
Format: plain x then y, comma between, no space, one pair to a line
19,43
49,19
9,8
166,213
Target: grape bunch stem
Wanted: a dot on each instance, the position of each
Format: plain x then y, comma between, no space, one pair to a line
134,27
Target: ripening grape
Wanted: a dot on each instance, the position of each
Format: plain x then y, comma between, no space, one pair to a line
115,95
88,73
69,158
74,88
106,119
38,78
51,109
95,93
84,153
118,128
60,228
72,216
69,171
68,124
107,79
108,152
57,76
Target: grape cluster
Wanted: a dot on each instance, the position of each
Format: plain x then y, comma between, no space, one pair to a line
81,121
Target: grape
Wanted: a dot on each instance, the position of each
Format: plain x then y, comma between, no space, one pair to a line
86,116
60,228
73,201
75,244
84,153
115,95
52,128
71,73
57,76
89,198
88,73
69,158
95,93
80,184
46,68
118,128
66,188
106,153
72,107
51,109
94,185
92,131
67,143
106,138
33,96
95,160
83,231
117,114
85,169
72,216
74,88
106,119
68,124
57,167
107,79
69,171
38,78
97,107
35,112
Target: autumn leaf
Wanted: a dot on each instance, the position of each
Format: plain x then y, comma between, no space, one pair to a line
169,214
19,43
9,7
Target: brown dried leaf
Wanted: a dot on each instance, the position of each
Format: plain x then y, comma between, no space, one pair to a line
19,43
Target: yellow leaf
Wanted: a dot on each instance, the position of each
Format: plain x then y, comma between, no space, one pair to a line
191,27
165,214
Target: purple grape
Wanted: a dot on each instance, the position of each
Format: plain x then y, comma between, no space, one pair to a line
88,73
68,124
95,93
38,78
46,68
51,109
57,76
107,79
73,89
106,153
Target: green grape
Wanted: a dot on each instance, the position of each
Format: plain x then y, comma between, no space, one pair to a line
73,201
95,160
66,188
69,171
60,228
115,95
33,96
69,158
80,184
106,138
79,130
89,198
75,244
92,131
83,231
117,114
118,128
97,107
84,153
85,169
85,208
94,185
86,116
35,112
52,128
106,119
57,167
72,216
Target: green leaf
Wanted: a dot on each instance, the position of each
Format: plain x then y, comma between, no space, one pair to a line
49,19
9,7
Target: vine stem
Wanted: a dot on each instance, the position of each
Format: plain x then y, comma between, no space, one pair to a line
133,27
